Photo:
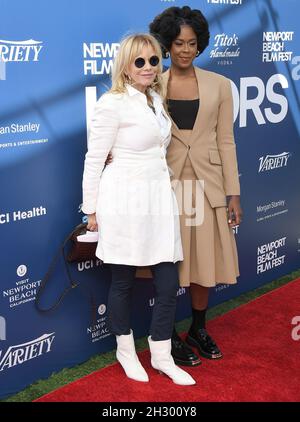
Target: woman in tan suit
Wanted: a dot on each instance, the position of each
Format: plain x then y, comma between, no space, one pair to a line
203,163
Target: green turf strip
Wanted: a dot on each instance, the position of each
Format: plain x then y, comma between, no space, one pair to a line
68,375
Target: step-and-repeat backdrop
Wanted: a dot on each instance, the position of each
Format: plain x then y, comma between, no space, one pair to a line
55,60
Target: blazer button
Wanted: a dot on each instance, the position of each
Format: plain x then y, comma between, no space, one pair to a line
188,147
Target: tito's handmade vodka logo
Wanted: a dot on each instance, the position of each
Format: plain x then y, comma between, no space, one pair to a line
225,47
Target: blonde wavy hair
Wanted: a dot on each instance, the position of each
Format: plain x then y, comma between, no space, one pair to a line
130,48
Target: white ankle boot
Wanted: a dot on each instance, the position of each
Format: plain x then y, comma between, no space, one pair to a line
162,360
128,358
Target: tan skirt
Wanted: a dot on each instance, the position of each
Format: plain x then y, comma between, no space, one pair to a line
209,250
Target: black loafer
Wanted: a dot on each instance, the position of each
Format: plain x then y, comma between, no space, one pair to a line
182,353
204,343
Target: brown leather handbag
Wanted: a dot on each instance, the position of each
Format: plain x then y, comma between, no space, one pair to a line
80,251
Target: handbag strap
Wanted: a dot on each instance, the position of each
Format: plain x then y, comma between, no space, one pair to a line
72,285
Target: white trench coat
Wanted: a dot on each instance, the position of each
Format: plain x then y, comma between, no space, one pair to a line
136,208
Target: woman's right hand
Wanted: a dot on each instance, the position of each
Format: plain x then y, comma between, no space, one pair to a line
92,223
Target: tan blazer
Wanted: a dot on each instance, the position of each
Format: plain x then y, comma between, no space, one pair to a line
210,146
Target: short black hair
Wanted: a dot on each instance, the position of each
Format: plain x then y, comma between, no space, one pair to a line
166,26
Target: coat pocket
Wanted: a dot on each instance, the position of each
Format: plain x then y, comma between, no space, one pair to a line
214,157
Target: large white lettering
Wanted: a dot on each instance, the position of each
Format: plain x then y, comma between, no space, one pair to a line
244,105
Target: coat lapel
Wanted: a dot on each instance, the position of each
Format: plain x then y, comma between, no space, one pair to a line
203,91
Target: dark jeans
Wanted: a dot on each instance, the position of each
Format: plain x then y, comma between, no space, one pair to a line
166,283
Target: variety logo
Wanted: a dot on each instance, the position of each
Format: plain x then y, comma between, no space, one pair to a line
98,57
271,162
21,353
20,51
274,46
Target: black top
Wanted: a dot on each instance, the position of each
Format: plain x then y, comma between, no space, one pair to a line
183,112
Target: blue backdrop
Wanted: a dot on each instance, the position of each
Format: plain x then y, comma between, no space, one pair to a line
55,60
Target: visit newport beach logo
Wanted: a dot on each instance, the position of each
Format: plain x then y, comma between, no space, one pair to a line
21,353
18,51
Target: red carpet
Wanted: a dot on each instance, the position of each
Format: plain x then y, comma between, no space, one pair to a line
261,362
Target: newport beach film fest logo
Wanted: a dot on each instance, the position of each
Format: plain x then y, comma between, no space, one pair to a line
274,44
270,255
232,2
18,51
98,57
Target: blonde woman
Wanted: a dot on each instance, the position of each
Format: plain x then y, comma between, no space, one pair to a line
131,202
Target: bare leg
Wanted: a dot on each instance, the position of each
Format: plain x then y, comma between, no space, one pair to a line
199,296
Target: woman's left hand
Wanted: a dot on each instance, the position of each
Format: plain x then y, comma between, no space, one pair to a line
109,159
235,212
